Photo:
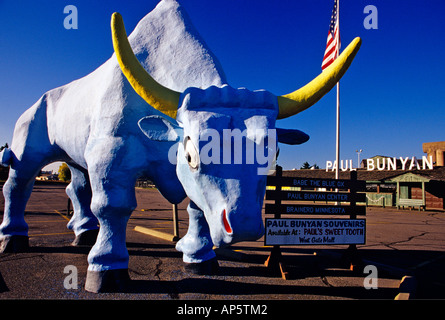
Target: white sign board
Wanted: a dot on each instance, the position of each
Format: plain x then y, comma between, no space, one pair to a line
315,231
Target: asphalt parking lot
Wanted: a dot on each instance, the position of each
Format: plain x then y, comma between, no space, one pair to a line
399,243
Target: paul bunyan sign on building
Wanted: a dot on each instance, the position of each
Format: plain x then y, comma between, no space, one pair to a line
407,163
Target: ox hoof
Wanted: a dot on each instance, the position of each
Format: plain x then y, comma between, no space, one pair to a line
14,244
86,238
209,267
116,280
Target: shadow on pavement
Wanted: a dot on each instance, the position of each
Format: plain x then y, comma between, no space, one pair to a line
223,287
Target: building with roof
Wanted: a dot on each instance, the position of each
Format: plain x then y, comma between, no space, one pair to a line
399,188
436,150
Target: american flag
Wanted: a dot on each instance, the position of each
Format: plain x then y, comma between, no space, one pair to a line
333,42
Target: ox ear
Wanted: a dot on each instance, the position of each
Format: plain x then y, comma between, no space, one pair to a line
158,128
291,136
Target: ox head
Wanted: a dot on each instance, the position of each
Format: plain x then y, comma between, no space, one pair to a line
226,138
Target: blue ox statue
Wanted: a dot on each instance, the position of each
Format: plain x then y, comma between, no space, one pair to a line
107,150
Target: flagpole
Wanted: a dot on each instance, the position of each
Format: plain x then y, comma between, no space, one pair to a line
337,138
337,144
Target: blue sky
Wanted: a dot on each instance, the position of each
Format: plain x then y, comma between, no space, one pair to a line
392,97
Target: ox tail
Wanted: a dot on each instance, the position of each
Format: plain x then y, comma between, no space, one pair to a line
6,156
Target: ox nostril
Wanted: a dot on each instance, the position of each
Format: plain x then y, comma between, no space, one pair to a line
226,222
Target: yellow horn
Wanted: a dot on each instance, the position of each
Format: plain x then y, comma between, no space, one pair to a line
155,94
297,101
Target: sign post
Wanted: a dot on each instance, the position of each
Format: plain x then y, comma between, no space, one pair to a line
314,231
274,261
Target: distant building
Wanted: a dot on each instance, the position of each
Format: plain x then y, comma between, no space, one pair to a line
397,181
397,188
437,151
47,176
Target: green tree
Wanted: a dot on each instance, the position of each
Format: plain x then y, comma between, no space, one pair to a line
306,165
4,147
64,172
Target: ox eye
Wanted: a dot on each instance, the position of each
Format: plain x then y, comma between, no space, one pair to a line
191,154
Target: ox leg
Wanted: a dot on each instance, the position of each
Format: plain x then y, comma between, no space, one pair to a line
83,222
197,245
112,203
16,191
